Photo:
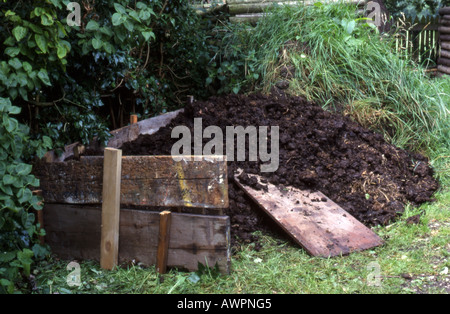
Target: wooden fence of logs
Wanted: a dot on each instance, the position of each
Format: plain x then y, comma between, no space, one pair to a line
444,39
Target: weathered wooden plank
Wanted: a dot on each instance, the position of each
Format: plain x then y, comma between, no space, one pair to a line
74,232
146,180
314,221
144,127
112,173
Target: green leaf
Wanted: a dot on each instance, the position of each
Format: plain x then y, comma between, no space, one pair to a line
8,285
23,169
47,141
36,203
26,196
6,189
92,26
119,8
13,92
107,31
15,63
10,42
23,93
108,47
47,19
38,11
40,251
129,25
28,220
25,258
61,51
43,75
141,5
12,51
148,35
10,124
27,67
117,19
19,32
14,110
41,42
97,44
135,16
8,179
144,15
7,256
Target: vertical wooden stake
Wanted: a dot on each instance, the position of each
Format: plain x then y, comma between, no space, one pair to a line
109,246
163,241
133,119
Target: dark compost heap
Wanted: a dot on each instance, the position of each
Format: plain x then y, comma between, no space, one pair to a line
319,150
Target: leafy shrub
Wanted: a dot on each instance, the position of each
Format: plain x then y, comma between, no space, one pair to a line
17,222
415,8
77,82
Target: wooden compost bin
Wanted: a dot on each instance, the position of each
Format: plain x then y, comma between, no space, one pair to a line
77,192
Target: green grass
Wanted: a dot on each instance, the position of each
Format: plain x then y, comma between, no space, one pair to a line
413,259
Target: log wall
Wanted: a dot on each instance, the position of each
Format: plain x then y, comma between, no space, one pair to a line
443,63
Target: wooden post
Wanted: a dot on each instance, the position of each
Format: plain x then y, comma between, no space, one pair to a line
163,241
109,246
133,119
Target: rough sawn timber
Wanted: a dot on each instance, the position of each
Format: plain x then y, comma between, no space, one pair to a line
74,232
145,181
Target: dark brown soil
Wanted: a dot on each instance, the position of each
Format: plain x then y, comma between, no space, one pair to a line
319,150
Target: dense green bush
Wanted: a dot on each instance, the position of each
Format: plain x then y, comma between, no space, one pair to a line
126,56
415,8
17,223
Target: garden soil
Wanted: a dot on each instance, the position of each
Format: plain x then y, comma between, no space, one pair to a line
319,150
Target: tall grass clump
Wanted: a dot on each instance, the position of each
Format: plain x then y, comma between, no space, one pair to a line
332,56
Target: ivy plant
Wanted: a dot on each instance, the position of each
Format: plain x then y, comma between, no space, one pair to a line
416,9
18,230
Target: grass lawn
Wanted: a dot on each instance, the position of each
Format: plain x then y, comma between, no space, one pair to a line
414,259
